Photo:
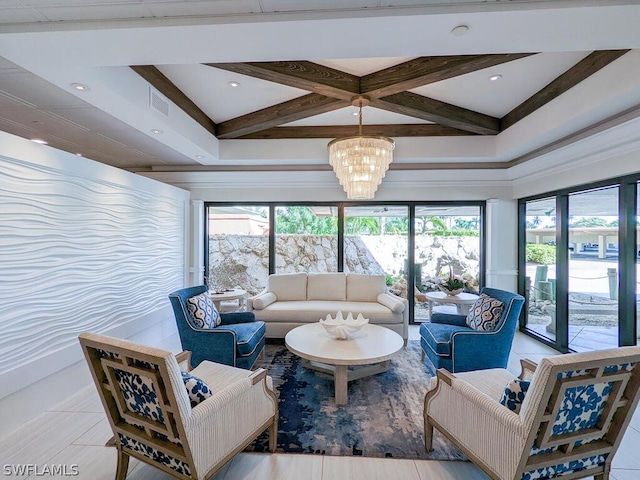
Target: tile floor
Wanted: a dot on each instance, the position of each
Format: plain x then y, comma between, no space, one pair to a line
75,431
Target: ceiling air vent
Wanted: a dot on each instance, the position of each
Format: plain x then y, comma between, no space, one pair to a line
158,103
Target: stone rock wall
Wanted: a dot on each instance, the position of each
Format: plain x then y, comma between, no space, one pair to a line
243,260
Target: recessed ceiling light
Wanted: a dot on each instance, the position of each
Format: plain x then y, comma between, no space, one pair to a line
40,141
156,131
199,157
495,77
80,87
79,155
355,114
459,30
234,84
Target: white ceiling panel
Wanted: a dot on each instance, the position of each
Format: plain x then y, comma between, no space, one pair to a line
94,12
207,7
209,88
520,79
362,66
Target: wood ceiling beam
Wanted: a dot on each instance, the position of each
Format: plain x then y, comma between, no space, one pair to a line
299,74
296,109
576,74
425,70
414,105
161,83
339,131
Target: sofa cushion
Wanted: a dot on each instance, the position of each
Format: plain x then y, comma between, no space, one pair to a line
327,286
393,303
249,336
314,310
202,311
485,313
288,286
264,300
365,288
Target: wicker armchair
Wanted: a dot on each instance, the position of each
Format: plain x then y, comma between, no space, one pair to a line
154,418
569,425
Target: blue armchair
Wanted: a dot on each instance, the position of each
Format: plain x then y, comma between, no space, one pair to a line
236,341
450,343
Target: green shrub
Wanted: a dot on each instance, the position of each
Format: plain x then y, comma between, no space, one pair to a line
541,253
456,232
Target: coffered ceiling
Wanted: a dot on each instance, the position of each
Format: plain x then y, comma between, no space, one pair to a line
521,77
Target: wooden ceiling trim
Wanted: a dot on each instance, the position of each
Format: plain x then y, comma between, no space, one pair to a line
576,74
414,105
299,74
425,70
165,86
296,109
339,131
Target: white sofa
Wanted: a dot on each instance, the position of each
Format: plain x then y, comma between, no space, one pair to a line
293,299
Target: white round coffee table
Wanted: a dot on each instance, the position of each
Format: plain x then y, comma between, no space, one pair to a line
370,348
463,301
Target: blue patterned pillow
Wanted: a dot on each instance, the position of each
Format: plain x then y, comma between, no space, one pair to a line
485,313
514,393
203,312
198,390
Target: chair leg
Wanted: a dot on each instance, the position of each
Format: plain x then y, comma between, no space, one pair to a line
273,435
602,476
422,355
123,465
428,435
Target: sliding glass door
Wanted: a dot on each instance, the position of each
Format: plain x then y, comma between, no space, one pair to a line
593,269
447,240
540,258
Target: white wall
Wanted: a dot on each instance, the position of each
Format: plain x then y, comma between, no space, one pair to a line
85,247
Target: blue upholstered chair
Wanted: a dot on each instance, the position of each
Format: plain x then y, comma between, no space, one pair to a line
450,343
237,340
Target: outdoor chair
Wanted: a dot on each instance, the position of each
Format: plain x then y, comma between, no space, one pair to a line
564,418
233,338
450,342
186,424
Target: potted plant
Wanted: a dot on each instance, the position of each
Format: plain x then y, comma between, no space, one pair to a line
452,285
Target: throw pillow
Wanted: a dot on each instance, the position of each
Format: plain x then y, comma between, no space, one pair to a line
485,313
203,312
198,390
514,393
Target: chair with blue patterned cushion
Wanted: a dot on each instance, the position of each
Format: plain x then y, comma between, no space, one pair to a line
186,424
450,342
568,424
233,338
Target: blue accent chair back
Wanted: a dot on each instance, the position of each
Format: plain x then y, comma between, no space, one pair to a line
449,343
237,341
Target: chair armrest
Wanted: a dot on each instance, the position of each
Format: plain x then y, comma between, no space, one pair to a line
449,319
184,360
236,317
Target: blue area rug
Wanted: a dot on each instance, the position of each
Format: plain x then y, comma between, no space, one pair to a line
383,417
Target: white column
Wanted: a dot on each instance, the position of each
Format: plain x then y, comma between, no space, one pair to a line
196,257
502,244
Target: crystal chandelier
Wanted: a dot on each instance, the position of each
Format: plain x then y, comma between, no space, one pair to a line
360,162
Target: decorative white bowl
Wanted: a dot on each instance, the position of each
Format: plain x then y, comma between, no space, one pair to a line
342,328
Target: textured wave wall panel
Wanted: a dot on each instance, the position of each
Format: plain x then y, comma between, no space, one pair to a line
80,253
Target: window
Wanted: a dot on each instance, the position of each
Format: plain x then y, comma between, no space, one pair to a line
238,246
306,239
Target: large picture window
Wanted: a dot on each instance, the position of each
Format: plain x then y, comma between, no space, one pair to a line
411,244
